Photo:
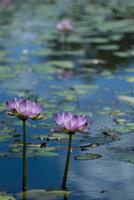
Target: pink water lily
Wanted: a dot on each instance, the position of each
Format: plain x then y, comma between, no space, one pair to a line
70,122
65,25
24,109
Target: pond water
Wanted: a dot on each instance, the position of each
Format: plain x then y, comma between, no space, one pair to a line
88,72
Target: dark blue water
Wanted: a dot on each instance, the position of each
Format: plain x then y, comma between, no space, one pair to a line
26,36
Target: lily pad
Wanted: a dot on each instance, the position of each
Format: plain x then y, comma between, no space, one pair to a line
4,196
4,137
3,154
33,150
84,89
108,47
41,152
124,54
126,99
61,64
87,156
43,194
126,155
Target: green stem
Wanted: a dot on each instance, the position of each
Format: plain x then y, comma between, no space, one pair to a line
24,158
65,197
63,186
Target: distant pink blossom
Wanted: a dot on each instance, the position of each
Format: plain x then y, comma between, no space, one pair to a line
6,2
65,25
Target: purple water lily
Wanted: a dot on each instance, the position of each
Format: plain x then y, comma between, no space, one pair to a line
70,122
24,109
65,25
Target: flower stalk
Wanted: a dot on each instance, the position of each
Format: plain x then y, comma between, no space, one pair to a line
24,157
63,186
71,124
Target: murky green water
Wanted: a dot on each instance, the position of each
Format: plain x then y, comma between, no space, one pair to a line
89,72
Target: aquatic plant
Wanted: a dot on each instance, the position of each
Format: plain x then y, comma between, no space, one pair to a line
71,124
24,109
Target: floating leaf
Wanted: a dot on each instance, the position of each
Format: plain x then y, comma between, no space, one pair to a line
41,152
49,52
126,155
130,79
101,140
61,64
3,154
98,40
108,47
123,54
126,99
4,137
43,194
87,156
84,89
91,61
4,196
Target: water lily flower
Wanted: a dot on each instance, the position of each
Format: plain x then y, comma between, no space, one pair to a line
70,122
65,25
24,109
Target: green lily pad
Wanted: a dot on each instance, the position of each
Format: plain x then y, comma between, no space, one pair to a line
98,40
58,136
33,150
130,79
54,136
126,99
4,137
108,47
40,152
101,140
15,150
43,194
68,95
61,64
84,89
87,156
123,54
2,107
4,196
91,61
3,154
116,37
49,52
128,128
126,155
